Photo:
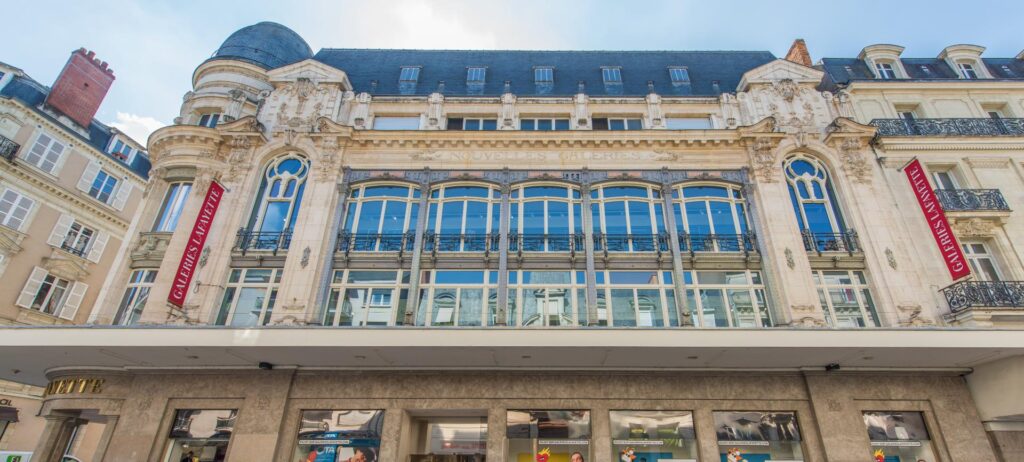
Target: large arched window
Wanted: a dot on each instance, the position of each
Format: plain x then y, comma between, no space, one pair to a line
545,218
813,197
280,194
463,217
710,218
628,218
379,216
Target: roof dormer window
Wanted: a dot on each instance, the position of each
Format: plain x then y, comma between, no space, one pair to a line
476,74
885,70
122,151
544,75
410,74
967,71
679,75
611,74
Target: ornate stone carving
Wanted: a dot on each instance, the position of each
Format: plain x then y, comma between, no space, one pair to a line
305,257
580,113
973,227
805,316
890,257
655,119
787,89
151,246
910,315
361,111
328,161
435,112
10,241
508,112
762,160
66,267
789,258
855,163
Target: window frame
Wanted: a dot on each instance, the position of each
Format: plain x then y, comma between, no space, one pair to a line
472,72
340,285
611,75
233,288
209,119
828,200
172,206
682,72
49,284
547,74
435,209
860,285
967,70
399,126
653,199
975,257
414,70
358,199
886,70
554,121
17,204
100,182
136,294
47,150
75,236
265,197
754,284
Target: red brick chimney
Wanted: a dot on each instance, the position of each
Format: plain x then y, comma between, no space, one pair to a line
798,53
81,87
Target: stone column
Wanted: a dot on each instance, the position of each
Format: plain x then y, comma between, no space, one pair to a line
707,441
600,433
108,432
327,264
678,278
588,241
413,305
503,245
496,429
54,439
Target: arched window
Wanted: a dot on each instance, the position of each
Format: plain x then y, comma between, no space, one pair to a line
710,218
628,218
379,216
463,217
280,194
812,195
545,218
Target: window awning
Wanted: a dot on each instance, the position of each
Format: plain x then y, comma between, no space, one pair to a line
8,414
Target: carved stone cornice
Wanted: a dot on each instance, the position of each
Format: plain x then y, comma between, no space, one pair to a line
10,241
540,140
183,140
66,266
964,226
988,162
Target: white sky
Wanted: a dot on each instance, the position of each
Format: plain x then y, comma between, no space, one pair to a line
154,46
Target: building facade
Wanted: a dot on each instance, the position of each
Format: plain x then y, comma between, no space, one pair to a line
407,255
69,188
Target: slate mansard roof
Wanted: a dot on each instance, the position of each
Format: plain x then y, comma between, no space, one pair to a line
842,71
377,71
33,94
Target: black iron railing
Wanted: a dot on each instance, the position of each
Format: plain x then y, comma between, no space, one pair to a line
981,126
261,240
717,242
631,242
960,200
831,242
433,242
362,242
984,294
546,242
8,148
73,250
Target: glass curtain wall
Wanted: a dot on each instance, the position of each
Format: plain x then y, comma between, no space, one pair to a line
727,299
636,299
367,298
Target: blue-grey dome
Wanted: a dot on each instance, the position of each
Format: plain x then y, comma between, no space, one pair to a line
266,44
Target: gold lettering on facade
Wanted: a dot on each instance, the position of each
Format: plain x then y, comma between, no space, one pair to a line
75,385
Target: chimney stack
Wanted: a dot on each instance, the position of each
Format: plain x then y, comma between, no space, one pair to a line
798,53
81,87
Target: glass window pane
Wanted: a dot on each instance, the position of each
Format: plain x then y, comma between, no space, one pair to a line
633,277
476,217
466,191
443,309
624,191
615,218
558,218
713,304
249,306
640,218
459,277
697,219
623,312
471,307
744,312
451,218
371,277
722,218
649,308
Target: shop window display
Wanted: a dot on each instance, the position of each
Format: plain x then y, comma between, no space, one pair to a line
200,435
758,436
653,436
898,437
548,436
339,436
450,438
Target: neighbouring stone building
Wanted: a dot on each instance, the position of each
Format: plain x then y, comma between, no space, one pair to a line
69,188
411,255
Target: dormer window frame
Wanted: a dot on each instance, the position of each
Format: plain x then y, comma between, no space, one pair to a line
679,71
885,70
470,77
967,70
118,146
549,70
611,71
414,70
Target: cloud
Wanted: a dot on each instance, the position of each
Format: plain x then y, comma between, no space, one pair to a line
136,126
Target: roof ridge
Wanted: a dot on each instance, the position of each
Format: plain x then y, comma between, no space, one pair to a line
440,50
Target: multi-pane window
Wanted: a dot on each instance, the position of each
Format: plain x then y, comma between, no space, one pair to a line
135,295
472,124
846,299
687,123
45,153
727,299
51,294
617,123
983,263
636,299
379,215
122,150
679,75
544,74
396,123
476,74
628,218
666,435
545,218
249,297
967,71
556,435
14,209
209,120
464,218
813,198
103,186
758,436
367,298
543,124
78,238
710,217
611,74
885,71
546,298
280,194
944,179
409,74
170,210
898,436
455,297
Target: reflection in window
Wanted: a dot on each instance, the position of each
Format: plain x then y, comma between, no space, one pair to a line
710,218
249,297
336,435
628,218
636,299
378,216
898,436
462,436
367,298
548,435
463,217
455,298
756,435
846,299
727,299
813,198
547,298
545,218
280,194
200,433
170,211
135,296
653,436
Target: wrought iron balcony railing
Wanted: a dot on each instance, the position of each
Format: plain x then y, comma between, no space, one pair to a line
362,242
962,200
73,250
980,126
984,294
433,242
717,242
546,242
631,242
261,240
831,242
8,148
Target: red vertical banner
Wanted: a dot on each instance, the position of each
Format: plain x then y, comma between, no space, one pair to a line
951,252
194,246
